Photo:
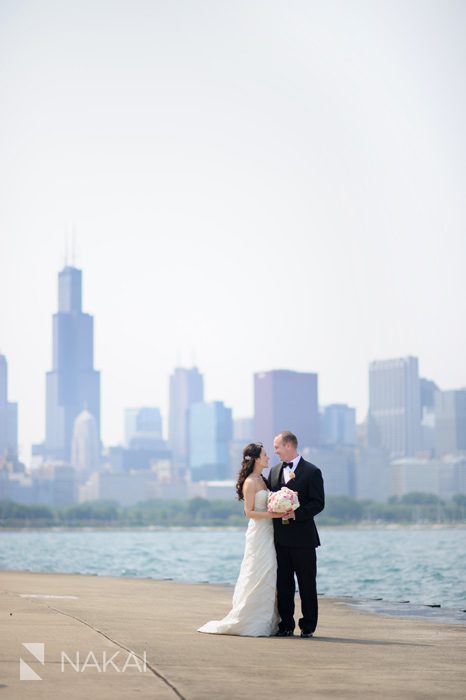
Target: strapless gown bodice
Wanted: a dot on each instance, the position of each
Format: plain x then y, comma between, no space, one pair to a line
260,503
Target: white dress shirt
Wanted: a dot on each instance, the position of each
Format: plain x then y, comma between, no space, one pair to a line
287,470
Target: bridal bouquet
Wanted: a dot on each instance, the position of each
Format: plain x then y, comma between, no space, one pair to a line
282,501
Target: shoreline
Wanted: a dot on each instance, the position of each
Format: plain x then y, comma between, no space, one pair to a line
435,613
354,655
225,528
154,554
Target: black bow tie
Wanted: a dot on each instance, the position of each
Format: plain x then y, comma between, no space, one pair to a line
287,464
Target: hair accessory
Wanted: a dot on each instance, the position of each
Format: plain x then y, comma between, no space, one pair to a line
247,457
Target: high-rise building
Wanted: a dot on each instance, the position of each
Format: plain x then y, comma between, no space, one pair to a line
286,400
338,425
186,388
143,424
243,434
373,475
73,384
210,433
243,430
338,468
8,415
394,406
85,453
428,390
415,475
450,421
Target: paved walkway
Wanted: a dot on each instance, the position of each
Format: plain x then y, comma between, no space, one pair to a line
354,655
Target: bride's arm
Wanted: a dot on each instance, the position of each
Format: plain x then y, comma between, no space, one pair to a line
249,493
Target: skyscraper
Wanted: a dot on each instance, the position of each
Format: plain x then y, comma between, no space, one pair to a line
243,430
73,384
8,415
286,400
428,390
394,406
85,450
450,422
144,423
338,425
186,388
210,432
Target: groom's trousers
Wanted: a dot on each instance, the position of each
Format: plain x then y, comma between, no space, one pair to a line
303,562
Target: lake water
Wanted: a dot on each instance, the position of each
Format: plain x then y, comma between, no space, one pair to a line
423,566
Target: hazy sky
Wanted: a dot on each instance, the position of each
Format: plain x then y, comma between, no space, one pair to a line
254,185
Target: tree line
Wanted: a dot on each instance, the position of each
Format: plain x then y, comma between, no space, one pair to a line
413,508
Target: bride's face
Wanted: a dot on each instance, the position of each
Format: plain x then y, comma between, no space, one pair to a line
263,460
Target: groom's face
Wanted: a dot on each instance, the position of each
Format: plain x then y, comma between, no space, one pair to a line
282,449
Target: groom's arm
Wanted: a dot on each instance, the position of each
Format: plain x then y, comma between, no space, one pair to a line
316,501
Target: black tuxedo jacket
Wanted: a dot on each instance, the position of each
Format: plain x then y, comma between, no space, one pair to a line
309,485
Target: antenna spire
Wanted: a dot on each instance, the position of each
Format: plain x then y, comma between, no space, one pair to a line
65,251
73,246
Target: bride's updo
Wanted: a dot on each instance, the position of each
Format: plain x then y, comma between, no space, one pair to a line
250,453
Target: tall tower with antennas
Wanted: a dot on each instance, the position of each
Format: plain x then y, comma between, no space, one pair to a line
186,388
8,415
72,384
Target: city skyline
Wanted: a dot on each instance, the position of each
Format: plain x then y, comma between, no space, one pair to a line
186,385
70,298
413,438
252,187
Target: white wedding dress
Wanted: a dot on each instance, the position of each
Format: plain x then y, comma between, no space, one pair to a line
254,612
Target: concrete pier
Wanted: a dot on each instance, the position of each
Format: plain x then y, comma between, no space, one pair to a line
148,629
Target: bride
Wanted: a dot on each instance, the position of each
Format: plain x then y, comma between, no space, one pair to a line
254,612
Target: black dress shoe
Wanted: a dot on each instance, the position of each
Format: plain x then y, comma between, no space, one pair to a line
284,633
306,635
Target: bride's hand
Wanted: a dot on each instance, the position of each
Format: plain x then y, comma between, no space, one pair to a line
288,516
285,516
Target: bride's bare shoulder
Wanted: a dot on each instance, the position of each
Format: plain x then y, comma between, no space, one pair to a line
249,484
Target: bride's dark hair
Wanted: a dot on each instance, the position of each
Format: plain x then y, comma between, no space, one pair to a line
250,453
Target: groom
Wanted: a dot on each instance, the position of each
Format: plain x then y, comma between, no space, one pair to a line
296,542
